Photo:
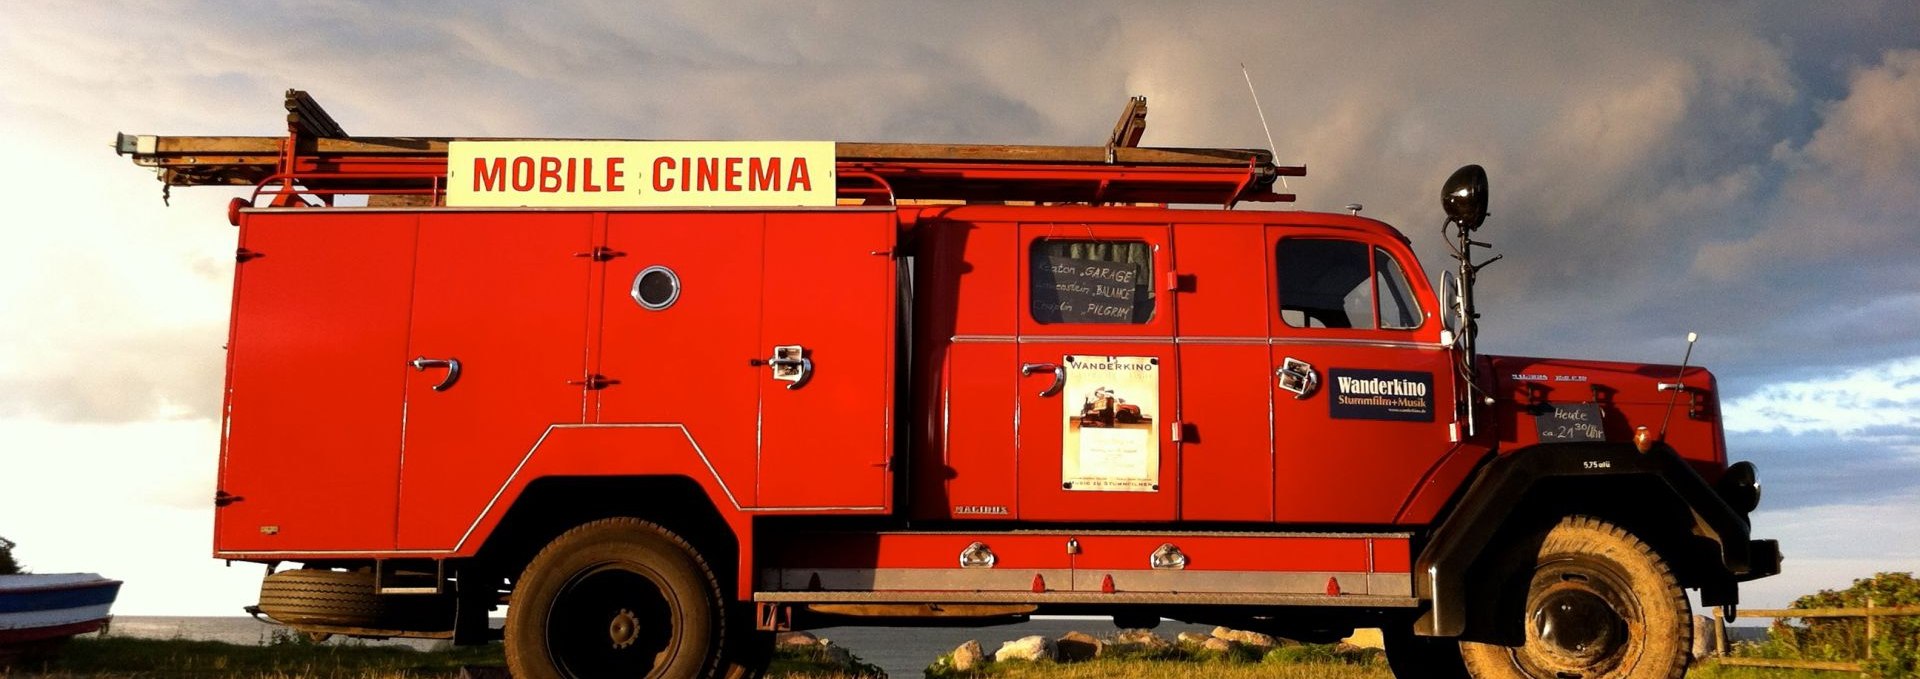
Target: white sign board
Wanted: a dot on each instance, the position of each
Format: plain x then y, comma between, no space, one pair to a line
1111,434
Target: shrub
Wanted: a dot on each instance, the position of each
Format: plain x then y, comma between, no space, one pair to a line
1896,647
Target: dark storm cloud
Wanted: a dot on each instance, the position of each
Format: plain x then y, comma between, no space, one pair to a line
1821,468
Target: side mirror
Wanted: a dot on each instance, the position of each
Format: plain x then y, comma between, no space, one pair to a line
1465,197
1450,303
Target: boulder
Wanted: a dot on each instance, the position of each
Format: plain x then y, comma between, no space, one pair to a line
1218,645
786,639
1078,646
1141,638
1254,639
969,656
836,655
1192,638
1031,649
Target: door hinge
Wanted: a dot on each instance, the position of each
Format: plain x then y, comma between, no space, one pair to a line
223,498
600,253
594,382
243,255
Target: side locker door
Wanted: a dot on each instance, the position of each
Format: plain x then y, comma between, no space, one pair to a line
1097,395
1226,455
1363,390
680,332
827,333
315,373
501,297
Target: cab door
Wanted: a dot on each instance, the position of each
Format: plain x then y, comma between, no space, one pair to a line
1097,394
1362,387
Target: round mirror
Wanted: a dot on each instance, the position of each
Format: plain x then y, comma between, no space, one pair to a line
1450,302
1465,197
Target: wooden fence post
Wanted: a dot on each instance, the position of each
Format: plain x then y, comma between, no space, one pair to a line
1720,631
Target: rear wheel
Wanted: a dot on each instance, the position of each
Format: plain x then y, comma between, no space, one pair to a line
624,598
1598,602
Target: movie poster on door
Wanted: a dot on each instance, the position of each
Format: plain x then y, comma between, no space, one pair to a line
1111,434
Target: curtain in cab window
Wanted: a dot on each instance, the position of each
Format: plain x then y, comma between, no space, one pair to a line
1088,281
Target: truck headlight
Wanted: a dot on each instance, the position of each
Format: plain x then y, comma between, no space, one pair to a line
1740,487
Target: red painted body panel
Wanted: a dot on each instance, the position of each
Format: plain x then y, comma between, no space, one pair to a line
504,294
828,286
689,364
315,382
1226,457
965,305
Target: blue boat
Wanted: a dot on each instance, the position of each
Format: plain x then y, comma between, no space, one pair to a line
38,611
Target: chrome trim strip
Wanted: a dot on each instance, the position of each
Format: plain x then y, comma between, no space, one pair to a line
1139,533
1391,344
1116,598
1393,584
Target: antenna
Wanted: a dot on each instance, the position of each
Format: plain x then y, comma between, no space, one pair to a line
1678,385
1263,119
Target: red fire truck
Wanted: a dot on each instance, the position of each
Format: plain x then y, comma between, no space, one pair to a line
665,398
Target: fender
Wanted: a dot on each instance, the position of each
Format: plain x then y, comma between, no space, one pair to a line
1440,572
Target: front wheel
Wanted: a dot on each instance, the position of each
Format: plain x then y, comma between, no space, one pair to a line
621,597
1598,603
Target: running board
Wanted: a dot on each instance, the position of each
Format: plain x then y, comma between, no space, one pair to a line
1116,598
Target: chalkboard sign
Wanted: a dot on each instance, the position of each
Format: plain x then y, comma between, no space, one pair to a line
1570,422
1068,290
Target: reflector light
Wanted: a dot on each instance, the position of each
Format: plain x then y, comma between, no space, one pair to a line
1106,584
1039,583
1333,586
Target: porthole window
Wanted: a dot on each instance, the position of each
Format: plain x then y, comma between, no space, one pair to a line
656,288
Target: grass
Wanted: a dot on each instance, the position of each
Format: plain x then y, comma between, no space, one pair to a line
126,658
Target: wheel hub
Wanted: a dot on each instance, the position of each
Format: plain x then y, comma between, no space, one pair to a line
624,629
1577,623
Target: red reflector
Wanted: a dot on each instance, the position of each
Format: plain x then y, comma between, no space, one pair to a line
1039,584
1333,587
1106,584
233,209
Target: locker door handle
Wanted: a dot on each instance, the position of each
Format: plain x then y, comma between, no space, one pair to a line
791,364
452,366
1059,375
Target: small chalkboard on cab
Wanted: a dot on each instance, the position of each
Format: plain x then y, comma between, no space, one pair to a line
1569,422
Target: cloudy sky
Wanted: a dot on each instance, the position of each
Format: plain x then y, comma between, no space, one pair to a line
1749,171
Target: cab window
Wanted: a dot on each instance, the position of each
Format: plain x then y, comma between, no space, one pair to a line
1091,281
1333,283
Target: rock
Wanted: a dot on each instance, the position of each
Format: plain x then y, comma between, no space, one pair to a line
1192,638
969,656
1078,646
1254,639
835,655
1367,637
1142,638
1218,645
786,639
1033,648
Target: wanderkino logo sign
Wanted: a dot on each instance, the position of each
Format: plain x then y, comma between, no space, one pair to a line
640,174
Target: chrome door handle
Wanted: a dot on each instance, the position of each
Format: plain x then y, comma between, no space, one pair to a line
1059,375
1298,377
790,364
452,366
